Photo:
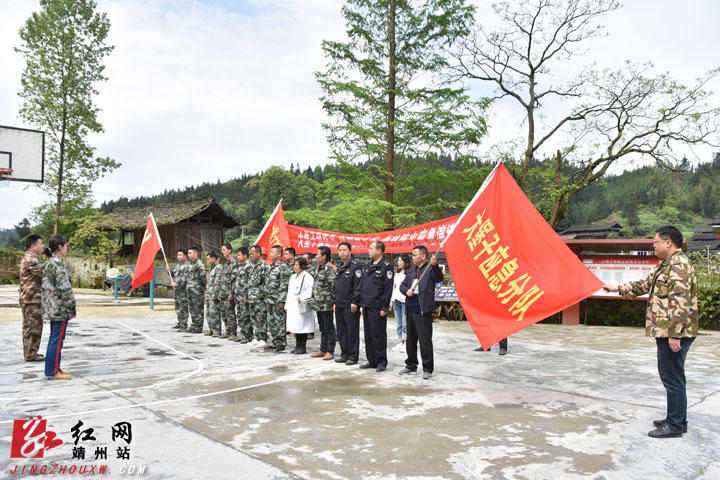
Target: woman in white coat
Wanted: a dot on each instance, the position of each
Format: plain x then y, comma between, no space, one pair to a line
299,289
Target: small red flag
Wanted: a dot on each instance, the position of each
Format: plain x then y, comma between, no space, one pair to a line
509,267
275,231
151,244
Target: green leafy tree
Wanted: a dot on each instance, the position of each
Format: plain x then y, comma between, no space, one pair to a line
605,115
387,97
21,230
64,45
88,238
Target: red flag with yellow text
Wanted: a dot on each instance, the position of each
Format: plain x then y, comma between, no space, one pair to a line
510,268
275,231
151,244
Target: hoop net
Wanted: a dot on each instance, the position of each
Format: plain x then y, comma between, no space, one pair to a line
5,177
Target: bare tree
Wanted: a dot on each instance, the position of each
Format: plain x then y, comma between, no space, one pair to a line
607,115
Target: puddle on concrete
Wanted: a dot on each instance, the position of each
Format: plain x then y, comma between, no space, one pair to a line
279,368
157,352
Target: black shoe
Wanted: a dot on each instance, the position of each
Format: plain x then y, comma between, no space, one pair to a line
660,423
351,362
301,351
194,330
39,357
666,431
279,349
381,368
294,350
269,346
340,360
367,365
480,349
503,351
177,326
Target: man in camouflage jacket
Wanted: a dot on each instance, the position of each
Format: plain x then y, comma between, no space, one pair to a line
211,297
240,292
258,273
196,281
179,284
672,318
226,295
323,298
58,305
276,293
31,272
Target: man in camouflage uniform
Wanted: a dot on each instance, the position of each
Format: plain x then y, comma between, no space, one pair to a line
58,305
196,281
258,273
290,257
179,284
312,264
672,318
323,298
211,297
226,287
31,272
245,330
275,295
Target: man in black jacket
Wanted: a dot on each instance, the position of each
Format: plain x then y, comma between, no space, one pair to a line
375,290
347,312
419,288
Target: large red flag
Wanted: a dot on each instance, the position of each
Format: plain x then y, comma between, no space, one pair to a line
509,267
275,231
151,244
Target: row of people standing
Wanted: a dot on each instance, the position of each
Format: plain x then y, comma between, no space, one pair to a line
270,299
244,296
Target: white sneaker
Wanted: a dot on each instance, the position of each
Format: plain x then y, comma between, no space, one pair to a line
252,343
260,343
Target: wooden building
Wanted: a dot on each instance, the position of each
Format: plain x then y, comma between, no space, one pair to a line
592,231
196,223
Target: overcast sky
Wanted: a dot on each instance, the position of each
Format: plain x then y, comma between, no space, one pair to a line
201,90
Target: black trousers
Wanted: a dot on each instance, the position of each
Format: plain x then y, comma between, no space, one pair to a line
375,328
327,331
671,367
348,332
419,328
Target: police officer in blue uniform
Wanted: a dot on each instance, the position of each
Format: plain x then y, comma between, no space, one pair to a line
375,290
347,306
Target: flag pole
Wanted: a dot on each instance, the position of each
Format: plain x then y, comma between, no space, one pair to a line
162,248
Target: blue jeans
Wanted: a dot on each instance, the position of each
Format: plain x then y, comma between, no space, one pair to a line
671,367
400,319
55,343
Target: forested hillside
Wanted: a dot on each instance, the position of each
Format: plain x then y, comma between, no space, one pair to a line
640,199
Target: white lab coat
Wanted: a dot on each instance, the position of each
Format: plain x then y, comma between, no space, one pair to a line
299,322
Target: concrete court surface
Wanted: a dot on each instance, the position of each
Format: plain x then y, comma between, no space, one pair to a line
565,403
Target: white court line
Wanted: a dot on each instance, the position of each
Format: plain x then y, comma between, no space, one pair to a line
199,367
180,399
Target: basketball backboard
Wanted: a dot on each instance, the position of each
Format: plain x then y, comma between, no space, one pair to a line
22,150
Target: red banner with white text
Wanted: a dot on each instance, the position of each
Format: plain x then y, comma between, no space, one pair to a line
303,239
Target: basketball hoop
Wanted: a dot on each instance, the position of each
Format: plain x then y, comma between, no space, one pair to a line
5,177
